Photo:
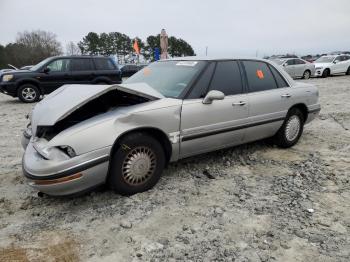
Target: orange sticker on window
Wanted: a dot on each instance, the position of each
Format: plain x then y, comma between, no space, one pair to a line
146,71
260,74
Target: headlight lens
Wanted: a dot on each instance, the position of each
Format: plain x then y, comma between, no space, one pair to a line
68,150
7,78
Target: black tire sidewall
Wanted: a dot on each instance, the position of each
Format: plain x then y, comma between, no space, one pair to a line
348,71
19,93
325,73
281,139
115,179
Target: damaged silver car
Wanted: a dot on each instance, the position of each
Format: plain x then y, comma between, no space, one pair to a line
82,136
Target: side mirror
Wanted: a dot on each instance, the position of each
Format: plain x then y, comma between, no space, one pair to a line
213,95
285,64
334,62
46,70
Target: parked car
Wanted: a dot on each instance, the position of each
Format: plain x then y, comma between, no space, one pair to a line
53,72
128,70
297,67
332,65
83,136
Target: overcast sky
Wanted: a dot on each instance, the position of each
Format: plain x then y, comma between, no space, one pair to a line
227,27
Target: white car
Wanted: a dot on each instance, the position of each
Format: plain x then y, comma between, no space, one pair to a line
332,65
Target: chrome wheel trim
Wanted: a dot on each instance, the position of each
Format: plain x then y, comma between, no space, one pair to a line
28,93
139,166
306,75
292,128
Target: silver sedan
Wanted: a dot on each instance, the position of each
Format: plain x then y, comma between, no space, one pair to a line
297,67
82,136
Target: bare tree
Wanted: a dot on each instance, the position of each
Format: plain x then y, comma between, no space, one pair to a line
38,45
72,49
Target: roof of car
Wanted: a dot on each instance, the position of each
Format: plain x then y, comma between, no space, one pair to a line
211,58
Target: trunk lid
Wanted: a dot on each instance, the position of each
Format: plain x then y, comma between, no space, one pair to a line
68,98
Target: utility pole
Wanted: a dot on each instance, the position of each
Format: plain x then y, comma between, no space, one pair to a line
206,51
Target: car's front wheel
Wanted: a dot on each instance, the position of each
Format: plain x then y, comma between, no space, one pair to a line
289,133
28,93
306,74
348,71
325,73
136,165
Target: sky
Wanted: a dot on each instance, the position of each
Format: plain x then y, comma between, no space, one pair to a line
226,27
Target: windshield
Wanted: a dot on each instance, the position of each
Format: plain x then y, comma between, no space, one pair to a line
278,61
325,59
37,66
169,78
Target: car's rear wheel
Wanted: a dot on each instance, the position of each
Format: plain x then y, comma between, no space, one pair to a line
306,74
325,73
136,165
348,71
289,133
28,93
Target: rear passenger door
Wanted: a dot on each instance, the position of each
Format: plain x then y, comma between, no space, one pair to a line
269,99
82,70
106,69
289,66
299,68
206,127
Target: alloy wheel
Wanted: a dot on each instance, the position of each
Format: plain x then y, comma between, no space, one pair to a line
29,94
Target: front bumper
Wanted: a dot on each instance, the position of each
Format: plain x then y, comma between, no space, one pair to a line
319,72
60,178
8,88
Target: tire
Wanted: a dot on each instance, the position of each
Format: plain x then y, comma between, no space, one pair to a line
306,74
28,93
136,165
325,73
289,133
101,83
348,71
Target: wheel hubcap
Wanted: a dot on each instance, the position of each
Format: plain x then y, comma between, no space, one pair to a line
138,166
292,128
306,75
28,93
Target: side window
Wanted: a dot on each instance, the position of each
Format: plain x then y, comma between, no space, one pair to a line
227,78
299,62
279,78
338,59
259,76
60,65
81,64
200,88
291,62
104,64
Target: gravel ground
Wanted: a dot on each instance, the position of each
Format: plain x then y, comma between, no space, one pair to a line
254,202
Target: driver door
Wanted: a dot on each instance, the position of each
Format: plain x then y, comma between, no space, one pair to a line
57,75
207,127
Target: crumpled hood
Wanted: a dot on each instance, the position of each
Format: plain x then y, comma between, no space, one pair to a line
68,98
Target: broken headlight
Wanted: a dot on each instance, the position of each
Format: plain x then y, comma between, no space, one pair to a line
68,150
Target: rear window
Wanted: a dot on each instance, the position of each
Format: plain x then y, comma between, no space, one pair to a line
81,64
259,76
104,64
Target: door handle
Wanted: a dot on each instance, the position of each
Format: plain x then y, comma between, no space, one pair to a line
240,103
286,95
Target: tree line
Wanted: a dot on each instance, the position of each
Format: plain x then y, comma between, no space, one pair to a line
32,47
